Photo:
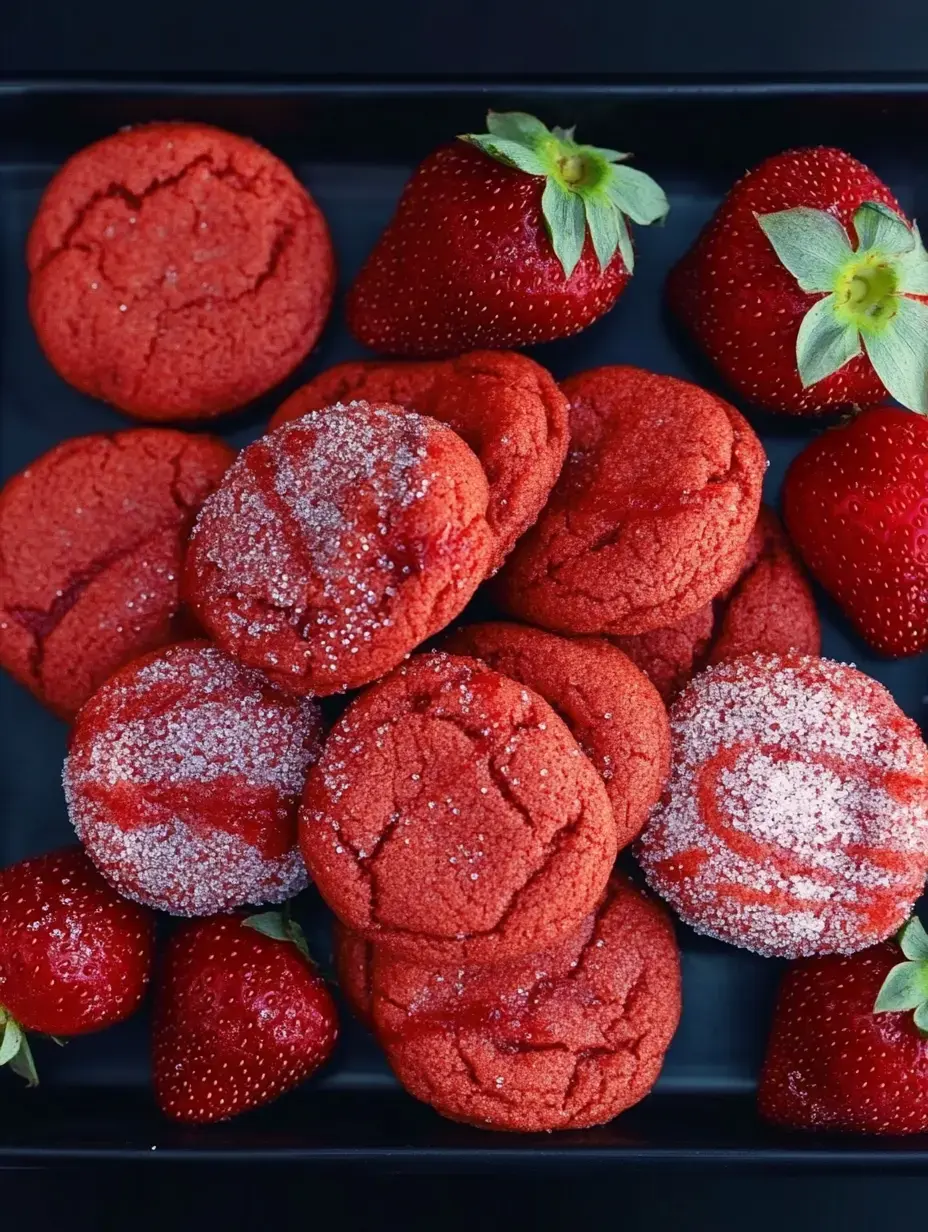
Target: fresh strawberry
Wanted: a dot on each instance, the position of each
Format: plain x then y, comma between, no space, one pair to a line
74,956
807,288
500,239
856,505
845,1051
240,1017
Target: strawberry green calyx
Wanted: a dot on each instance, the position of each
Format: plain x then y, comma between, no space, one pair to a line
587,188
279,926
871,302
906,986
15,1050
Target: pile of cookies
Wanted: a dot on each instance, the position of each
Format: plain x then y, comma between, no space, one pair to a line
190,611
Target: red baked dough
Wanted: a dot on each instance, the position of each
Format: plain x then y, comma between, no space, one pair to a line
93,536
796,817
560,1040
652,512
613,711
353,956
769,610
177,271
339,542
505,406
453,817
183,781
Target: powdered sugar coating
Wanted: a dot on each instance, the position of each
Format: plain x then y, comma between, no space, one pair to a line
183,779
338,542
796,817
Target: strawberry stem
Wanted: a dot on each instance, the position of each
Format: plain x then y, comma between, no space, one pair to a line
587,191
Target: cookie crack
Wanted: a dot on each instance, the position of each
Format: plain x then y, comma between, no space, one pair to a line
118,191
281,243
41,623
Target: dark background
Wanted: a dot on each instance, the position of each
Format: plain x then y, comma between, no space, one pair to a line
380,38
441,37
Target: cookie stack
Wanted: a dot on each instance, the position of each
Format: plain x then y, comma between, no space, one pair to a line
511,578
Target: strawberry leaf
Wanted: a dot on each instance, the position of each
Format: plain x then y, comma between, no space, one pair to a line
921,1018
15,1051
637,195
626,248
610,156
297,937
269,924
879,228
517,126
905,988
279,927
824,343
23,1064
812,245
601,219
913,940
10,1042
565,222
899,354
912,268
512,153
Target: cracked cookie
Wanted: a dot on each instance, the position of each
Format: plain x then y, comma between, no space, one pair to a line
453,817
183,780
795,821
563,1039
769,610
613,711
353,956
652,512
92,539
507,408
337,543
177,271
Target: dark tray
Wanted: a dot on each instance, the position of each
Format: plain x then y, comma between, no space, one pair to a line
353,145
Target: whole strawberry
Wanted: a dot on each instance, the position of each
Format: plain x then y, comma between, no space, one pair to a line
846,1052
856,505
74,956
240,1017
807,288
501,239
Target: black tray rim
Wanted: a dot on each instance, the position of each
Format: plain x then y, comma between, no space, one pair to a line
641,87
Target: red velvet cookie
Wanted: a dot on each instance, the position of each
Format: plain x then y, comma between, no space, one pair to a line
652,512
564,1039
183,781
453,817
177,271
612,710
93,535
506,407
769,610
338,543
796,817
353,957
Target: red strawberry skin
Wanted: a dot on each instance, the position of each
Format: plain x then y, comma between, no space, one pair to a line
832,1064
744,307
856,505
240,1018
466,263
74,956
